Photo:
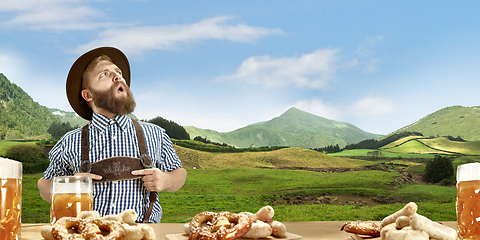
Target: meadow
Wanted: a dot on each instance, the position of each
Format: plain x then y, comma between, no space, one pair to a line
248,189
300,184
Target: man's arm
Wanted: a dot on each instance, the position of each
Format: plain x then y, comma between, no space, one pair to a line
44,187
177,179
156,180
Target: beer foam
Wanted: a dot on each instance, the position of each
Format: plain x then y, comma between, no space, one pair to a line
71,184
10,168
468,172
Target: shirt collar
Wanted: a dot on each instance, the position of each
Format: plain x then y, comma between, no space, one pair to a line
102,123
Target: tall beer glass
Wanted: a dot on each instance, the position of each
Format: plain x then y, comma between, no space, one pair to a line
468,201
10,199
70,195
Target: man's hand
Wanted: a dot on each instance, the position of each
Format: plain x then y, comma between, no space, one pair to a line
91,175
156,180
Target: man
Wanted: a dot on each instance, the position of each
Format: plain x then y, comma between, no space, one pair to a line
98,90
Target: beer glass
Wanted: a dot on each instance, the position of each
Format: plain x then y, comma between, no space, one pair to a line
10,199
468,201
70,195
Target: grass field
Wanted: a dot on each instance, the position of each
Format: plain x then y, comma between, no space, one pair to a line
292,182
248,189
283,158
4,145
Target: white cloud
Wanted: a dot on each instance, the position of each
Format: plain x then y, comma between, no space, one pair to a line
372,105
51,15
311,70
137,40
320,108
368,106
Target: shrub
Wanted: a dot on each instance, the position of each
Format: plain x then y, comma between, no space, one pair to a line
33,159
438,169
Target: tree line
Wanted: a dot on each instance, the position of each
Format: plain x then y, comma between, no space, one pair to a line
206,141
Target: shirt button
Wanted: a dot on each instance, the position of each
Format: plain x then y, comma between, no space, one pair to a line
114,137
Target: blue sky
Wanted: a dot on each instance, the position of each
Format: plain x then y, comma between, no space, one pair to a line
221,65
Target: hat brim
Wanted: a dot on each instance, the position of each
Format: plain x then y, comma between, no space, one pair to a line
74,78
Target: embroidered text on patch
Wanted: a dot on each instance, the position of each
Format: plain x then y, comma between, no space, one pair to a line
117,169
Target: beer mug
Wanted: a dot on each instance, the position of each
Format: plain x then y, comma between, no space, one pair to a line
468,201
10,199
70,195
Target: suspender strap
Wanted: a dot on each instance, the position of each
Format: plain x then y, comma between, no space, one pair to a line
86,164
146,161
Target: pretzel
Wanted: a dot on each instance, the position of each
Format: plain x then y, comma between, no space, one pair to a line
60,230
390,232
409,210
371,228
433,229
132,233
259,229
196,229
94,229
219,226
278,228
265,213
46,232
89,225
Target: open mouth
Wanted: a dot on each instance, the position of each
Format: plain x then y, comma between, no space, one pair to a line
121,88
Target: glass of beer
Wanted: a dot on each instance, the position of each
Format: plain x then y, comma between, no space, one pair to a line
468,201
10,199
70,195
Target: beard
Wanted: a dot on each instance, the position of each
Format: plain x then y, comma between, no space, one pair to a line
121,105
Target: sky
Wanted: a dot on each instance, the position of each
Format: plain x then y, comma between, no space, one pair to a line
222,65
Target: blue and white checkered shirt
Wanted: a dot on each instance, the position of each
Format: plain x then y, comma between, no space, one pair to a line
112,138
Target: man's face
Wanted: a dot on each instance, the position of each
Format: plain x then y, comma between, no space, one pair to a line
109,90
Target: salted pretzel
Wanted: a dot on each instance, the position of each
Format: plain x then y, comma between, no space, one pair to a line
61,228
88,225
219,226
371,228
88,228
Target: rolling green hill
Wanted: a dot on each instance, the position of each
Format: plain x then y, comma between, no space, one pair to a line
287,158
21,117
439,145
294,128
450,121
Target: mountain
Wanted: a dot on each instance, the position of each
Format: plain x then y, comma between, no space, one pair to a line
294,128
70,117
450,121
21,117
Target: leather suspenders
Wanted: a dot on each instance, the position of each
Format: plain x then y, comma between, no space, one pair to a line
119,168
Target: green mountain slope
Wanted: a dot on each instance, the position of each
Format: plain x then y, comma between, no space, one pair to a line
21,117
294,128
454,121
287,158
70,117
439,145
